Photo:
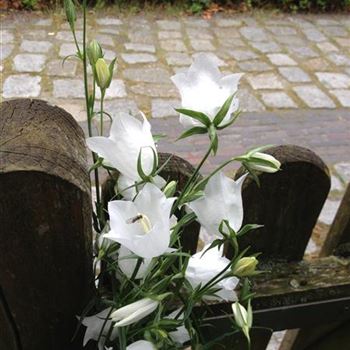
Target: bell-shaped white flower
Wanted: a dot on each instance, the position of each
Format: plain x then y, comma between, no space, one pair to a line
204,89
141,345
142,226
180,335
133,312
98,328
222,200
202,268
128,137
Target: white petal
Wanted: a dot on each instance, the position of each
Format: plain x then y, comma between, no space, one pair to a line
129,309
125,189
141,345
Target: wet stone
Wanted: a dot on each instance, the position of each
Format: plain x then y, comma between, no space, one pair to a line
277,100
133,58
162,108
265,81
21,85
29,63
57,68
294,74
140,47
313,97
343,96
334,80
68,88
147,75
35,46
280,59
173,45
254,34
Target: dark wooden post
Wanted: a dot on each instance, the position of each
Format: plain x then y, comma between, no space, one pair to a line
45,227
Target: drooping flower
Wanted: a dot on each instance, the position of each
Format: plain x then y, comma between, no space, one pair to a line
128,137
133,312
202,268
141,345
142,226
204,89
98,327
222,200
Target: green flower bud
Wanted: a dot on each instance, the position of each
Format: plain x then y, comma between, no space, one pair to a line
103,73
94,52
70,12
243,317
245,266
170,189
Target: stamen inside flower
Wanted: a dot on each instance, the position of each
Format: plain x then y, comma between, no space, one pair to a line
143,220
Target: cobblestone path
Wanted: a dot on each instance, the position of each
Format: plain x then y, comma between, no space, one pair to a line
296,87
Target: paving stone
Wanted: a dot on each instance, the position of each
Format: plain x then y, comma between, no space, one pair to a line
292,40
336,184
314,35
109,55
202,45
77,110
343,170
115,90
254,34
35,46
339,59
44,22
6,51
343,96
104,39
21,85
232,43
277,100
228,22
266,47
334,80
248,102
109,21
6,37
282,31
169,35
29,63
294,74
133,58
147,75
344,42
154,90
214,58
56,68
328,211
224,33
68,36
114,107
313,97
162,108
335,31
141,37
326,22
242,55
169,25
312,248
326,47
67,50
140,47
265,81
68,88
37,34
302,51
173,45
317,64
280,59
254,66
178,59
197,22
106,30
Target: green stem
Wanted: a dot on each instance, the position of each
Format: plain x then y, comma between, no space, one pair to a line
101,112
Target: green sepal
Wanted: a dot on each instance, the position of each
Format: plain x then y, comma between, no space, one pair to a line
196,130
201,117
223,111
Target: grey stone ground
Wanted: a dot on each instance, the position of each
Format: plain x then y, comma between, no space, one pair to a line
296,87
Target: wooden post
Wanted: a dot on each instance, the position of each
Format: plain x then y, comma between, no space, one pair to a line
45,226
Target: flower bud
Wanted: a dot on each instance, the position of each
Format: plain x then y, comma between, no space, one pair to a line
94,52
70,12
170,189
243,317
245,266
103,75
255,160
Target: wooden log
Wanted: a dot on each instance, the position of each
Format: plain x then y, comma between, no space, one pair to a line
45,218
287,203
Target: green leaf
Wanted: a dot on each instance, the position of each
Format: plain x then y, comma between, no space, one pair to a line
230,122
201,117
196,130
223,111
246,228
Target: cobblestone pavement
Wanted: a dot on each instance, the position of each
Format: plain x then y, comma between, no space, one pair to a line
296,87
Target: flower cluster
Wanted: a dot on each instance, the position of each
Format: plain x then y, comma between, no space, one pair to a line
150,286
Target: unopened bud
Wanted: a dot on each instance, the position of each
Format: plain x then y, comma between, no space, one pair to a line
103,76
243,317
94,52
255,160
170,189
70,12
245,266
